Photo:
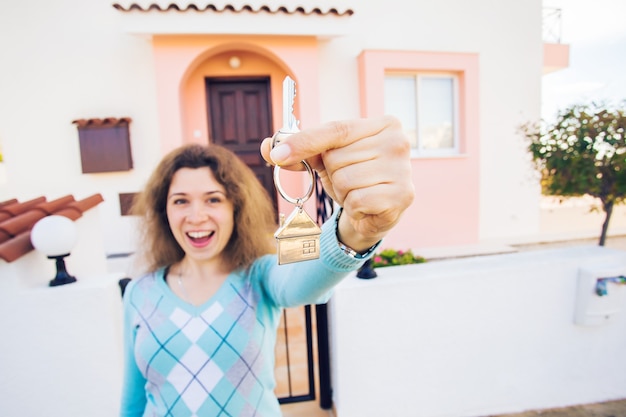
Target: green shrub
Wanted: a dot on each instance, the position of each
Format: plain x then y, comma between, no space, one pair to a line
392,257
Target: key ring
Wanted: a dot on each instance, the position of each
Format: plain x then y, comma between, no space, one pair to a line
297,201
297,236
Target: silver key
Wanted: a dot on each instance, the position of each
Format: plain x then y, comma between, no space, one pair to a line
290,123
289,97
298,236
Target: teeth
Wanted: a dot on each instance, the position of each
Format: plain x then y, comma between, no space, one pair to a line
198,235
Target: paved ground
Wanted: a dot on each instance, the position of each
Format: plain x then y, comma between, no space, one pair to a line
608,409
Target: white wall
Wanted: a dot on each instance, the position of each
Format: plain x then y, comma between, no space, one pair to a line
61,347
63,61
475,337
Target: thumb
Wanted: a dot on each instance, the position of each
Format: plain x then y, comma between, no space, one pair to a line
314,141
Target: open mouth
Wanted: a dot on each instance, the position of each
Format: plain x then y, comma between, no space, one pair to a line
199,238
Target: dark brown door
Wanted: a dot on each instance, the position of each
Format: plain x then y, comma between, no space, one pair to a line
240,117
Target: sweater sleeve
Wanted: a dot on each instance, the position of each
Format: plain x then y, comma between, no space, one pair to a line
133,388
311,282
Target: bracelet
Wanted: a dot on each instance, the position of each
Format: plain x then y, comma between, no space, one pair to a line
347,249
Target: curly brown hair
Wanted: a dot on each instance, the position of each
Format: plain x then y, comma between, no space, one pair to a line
254,216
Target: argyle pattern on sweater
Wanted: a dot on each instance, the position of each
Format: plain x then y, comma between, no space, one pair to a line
203,362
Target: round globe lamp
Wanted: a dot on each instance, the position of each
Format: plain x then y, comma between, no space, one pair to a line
55,237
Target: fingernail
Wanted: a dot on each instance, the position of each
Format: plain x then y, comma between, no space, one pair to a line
280,153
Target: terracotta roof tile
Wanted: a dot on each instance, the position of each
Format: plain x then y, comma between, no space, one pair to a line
72,213
172,6
87,203
17,207
21,223
17,219
52,206
15,248
11,201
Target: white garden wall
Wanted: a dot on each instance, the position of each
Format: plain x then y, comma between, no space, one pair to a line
477,336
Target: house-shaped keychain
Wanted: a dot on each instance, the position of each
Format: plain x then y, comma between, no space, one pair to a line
298,238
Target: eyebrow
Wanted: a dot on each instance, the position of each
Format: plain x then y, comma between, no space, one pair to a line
206,193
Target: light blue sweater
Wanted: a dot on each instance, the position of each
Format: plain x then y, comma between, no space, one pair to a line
217,359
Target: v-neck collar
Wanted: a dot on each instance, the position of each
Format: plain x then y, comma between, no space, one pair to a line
179,302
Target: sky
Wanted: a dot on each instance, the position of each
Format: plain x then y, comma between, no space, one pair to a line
596,34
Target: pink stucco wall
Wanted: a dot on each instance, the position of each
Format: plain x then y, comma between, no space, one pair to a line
446,210
446,207
182,63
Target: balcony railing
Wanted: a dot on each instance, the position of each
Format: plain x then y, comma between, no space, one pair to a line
551,25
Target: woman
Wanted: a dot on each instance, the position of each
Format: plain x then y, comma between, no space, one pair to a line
200,326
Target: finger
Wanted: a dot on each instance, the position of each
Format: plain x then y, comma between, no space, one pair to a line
379,159
359,175
378,199
317,140
390,180
266,147
375,210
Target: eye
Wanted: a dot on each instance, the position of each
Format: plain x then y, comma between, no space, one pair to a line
178,201
215,199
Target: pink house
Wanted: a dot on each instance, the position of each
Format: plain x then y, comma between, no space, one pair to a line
194,72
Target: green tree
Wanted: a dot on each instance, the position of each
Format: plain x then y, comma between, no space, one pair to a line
582,152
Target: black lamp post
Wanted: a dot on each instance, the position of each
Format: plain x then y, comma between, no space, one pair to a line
366,271
62,277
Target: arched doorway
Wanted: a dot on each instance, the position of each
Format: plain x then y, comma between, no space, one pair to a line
227,99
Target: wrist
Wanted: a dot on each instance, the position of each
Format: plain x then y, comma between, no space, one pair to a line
350,241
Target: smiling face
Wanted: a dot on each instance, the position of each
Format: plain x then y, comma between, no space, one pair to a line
199,213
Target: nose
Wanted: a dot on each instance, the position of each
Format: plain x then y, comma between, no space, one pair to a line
197,213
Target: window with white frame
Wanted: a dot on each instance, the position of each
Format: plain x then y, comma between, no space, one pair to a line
427,105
